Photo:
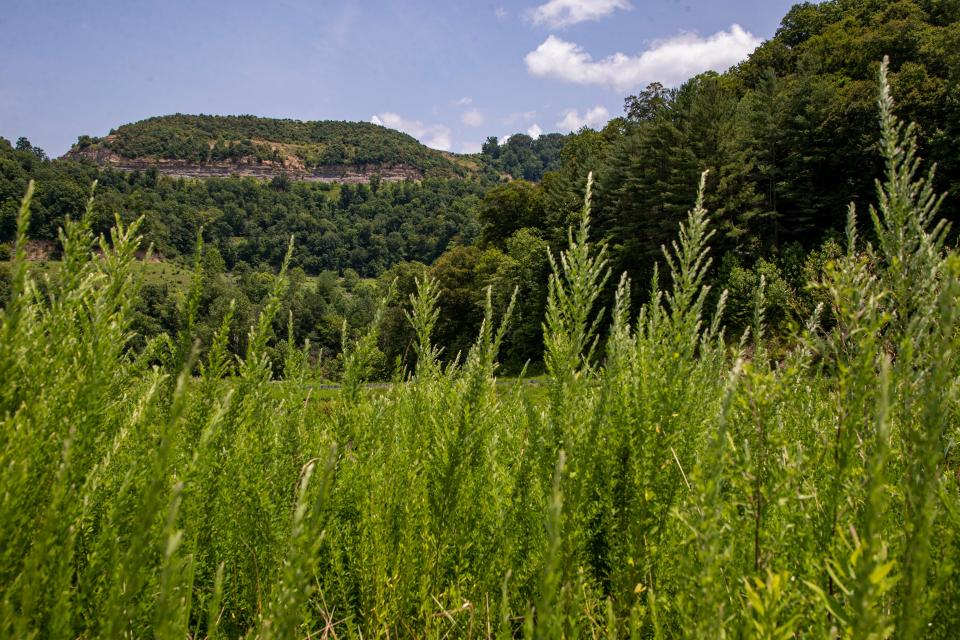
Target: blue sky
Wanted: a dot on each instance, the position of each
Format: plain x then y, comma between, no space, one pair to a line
450,73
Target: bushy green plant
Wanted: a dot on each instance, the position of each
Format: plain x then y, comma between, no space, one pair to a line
742,284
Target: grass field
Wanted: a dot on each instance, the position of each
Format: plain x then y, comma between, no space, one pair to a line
157,273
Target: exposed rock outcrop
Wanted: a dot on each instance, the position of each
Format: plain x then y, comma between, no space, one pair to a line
264,170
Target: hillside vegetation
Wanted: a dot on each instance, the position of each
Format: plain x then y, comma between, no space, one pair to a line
292,143
298,148
789,137
365,227
523,157
669,485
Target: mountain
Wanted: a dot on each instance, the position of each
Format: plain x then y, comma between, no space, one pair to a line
203,146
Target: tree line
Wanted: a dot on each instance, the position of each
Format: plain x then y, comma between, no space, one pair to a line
789,138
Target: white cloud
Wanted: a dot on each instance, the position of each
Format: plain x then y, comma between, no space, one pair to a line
670,61
594,118
462,102
436,136
557,14
500,13
472,118
440,140
534,131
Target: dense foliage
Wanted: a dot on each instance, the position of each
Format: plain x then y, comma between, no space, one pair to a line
521,156
669,486
366,227
789,138
204,138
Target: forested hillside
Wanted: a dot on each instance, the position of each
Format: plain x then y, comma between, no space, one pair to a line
366,227
789,135
789,139
292,144
307,150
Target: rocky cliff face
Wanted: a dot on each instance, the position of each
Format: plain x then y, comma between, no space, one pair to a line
264,170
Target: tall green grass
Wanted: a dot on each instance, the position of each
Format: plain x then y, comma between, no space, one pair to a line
669,485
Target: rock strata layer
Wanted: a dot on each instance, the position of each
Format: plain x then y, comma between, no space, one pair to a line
265,170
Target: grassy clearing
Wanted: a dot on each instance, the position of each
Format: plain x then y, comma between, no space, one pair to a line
664,485
155,273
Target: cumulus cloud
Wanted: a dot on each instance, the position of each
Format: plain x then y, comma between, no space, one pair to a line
472,118
500,13
534,131
435,136
669,61
440,140
462,102
557,14
594,118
